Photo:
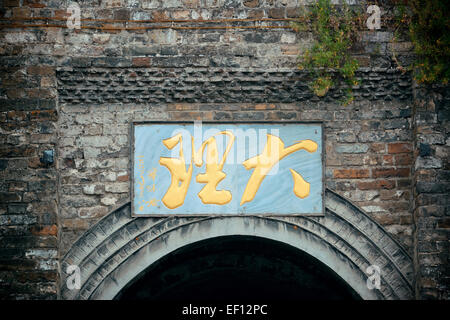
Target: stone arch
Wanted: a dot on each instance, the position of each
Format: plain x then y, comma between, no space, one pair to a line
118,248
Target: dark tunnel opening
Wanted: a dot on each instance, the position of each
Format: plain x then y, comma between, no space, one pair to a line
236,268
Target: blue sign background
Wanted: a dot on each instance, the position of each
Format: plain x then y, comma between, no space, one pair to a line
275,194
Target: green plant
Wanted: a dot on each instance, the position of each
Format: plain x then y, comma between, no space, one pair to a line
429,31
334,30
427,25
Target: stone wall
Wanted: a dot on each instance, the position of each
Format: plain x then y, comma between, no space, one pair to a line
431,191
76,92
28,186
368,155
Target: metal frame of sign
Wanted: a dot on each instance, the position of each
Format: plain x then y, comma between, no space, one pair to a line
156,215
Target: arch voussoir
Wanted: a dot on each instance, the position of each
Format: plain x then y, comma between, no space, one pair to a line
345,239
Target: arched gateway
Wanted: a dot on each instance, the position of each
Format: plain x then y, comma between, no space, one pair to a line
119,249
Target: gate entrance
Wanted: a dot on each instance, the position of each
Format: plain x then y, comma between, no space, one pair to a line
119,250
237,268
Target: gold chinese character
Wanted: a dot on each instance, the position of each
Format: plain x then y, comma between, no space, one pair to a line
181,177
273,152
213,174
301,187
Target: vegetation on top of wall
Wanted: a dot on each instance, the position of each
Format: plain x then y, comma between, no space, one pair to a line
427,24
334,30
429,30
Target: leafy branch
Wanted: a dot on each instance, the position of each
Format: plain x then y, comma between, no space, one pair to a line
334,30
427,24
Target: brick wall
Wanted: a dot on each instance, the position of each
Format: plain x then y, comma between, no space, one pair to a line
431,191
76,91
368,155
28,187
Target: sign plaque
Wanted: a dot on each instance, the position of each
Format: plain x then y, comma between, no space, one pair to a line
227,168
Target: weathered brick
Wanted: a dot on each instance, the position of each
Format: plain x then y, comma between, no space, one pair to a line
292,12
189,116
11,3
351,148
256,14
375,184
95,141
109,200
432,210
123,178
399,147
251,3
122,14
428,163
117,187
17,151
9,197
351,173
93,212
120,76
290,50
17,208
17,219
21,13
388,160
94,189
280,115
404,159
390,172
222,116
183,107
394,195
41,70
247,115
276,13
433,187
75,224
261,106
141,62
43,115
